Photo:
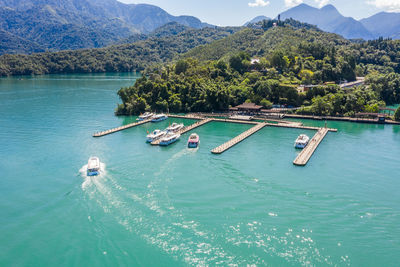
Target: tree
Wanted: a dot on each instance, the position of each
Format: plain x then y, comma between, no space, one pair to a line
240,62
278,60
181,66
266,104
306,76
397,114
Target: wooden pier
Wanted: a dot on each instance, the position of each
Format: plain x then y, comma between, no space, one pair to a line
224,147
305,155
114,130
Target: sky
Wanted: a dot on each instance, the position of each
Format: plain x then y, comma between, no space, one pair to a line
237,12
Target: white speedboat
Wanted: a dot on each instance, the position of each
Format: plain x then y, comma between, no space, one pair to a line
155,135
159,117
145,116
93,167
175,127
194,141
302,141
169,139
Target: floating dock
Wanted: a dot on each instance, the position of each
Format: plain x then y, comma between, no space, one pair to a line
187,129
189,116
114,130
299,126
301,160
305,155
224,147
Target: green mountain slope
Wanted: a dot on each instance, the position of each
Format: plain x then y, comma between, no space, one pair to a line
10,43
258,42
127,57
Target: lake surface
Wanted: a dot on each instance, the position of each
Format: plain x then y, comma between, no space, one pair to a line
172,206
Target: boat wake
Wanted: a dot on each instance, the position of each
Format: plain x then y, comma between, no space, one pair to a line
181,238
88,180
192,150
173,158
151,216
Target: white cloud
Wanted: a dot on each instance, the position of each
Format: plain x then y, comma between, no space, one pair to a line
390,5
322,3
292,3
259,3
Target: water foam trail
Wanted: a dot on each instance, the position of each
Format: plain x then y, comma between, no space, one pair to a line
178,237
171,160
88,179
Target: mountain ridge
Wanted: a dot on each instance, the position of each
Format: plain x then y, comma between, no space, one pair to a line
74,24
329,19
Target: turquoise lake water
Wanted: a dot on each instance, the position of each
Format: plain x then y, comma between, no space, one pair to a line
172,206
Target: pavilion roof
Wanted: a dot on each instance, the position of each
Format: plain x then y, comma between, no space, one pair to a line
249,106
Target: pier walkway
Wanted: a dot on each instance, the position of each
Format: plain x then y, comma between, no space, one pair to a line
114,130
222,148
305,155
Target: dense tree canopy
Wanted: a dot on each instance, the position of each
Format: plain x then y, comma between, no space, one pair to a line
397,114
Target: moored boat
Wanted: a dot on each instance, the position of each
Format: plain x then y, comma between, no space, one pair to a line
175,127
193,141
159,117
93,167
169,139
145,116
301,141
155,135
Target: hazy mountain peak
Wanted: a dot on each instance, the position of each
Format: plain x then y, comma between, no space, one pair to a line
257,19
329,7
328,19
303,5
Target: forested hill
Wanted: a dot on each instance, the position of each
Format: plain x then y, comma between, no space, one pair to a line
293,38
216,76
118,58
261,38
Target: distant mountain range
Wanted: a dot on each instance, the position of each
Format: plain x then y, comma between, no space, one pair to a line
28,26
37,25
329,19
383,24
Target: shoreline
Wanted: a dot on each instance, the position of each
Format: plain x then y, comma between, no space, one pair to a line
349,119
226,115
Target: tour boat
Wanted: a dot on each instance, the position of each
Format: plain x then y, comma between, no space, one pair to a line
93,167
155,135
169,139
159,117
175,127
301,141
145,116
194,140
